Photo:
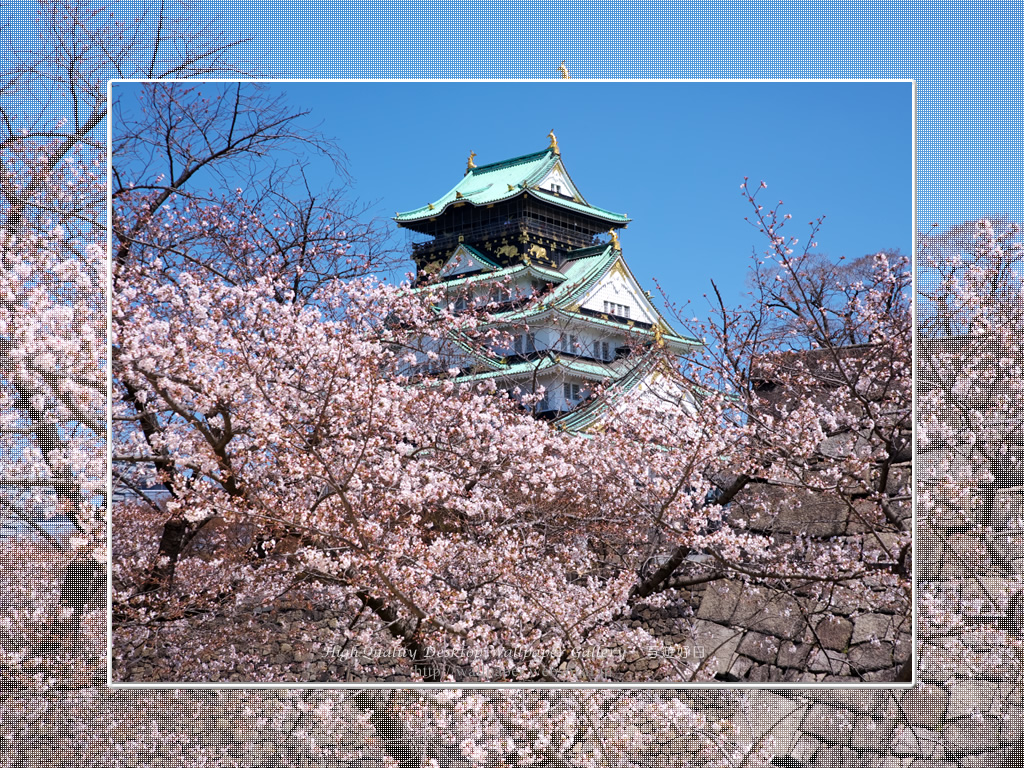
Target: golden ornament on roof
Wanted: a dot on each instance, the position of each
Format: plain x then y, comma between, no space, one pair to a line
554,142
615,239
564,70
470,165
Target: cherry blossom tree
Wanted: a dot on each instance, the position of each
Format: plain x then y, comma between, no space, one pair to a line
450,514
183,140
472,540
53,277
969,443
818,368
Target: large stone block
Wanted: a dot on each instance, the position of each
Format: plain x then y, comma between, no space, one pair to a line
783,510
1006,757
1012,728
836,757
830,725
856,699
918,742
771,715
924,705
712,646
871,734
765,610
970,696
763,648
969,735
871,626
793,655
871,657
830,662
806,750
834,632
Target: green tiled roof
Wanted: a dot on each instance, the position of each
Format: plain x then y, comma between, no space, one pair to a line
578,276
457,281
460,280
671,336
520,368
551,360
572,205
589,250
587,415
487,184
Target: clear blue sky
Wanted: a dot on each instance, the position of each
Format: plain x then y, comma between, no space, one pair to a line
965,58
670,155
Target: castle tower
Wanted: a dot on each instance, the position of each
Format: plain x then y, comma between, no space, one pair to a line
518,238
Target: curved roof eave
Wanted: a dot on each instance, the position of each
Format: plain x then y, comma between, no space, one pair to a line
508,178
550,361
590,414
590,210
671,337
507,182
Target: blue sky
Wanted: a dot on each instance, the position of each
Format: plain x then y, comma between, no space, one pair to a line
670,155
965,58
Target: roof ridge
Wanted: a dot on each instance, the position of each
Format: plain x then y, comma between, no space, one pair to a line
510,161
579,253
503,180
587,280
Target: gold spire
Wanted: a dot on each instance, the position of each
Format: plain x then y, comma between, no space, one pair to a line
564,71
615,239
554,142
470,165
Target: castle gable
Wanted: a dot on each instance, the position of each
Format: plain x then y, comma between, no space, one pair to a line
466,260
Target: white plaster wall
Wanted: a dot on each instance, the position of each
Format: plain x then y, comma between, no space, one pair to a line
618,289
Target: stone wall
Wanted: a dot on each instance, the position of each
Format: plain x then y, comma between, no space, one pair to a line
762,635
857,632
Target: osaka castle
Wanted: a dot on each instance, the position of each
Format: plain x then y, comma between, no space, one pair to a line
518,240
